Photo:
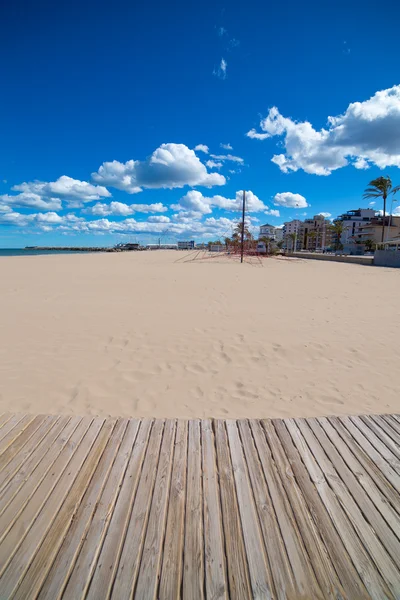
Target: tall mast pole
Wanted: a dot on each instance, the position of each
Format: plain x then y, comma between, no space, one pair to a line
243,212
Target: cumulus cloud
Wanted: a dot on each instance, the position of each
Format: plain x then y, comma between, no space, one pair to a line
325,214
212,164
290,200
195,201
30,200
160,219
226,146
170,166
202,148
366,133
121,209
273,212
65,188
220,71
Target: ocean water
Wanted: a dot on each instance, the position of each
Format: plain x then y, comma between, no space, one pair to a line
32,252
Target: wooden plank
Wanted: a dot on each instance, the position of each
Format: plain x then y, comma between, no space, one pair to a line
367,503
149,571
380,433
13,429
33,570
280,565
385,433
20,489
108,559
172,566
80,543
132,550
364,530
369,467
214,555
260,576
193,561
302,537
4,418
18,453
382,466
317,502
238,573
25,512
390,420
376,442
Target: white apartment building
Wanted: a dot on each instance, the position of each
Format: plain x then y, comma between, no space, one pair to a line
353,222
278,234
292,227
267,231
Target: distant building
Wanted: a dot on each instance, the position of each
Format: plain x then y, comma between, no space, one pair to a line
353,221
373,229
267,231
186,245
316,233
278,234
289,228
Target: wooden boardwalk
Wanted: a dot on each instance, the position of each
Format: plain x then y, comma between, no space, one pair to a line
125,508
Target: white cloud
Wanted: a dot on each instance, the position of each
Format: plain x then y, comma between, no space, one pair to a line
325,214
202,148
195,201
372,203
366,133
226,146
257,136
228,157
273,212
158,219
121,209
64,188
30,200
220,71
212,164
170,166
290,200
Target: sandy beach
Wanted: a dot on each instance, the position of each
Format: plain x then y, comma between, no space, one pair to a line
140,334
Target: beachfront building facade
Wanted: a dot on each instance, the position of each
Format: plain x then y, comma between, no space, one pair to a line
373,229
316,233
278,234
186,245
290,229
268,231
353,222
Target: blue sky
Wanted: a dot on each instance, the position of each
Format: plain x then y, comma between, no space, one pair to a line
102,108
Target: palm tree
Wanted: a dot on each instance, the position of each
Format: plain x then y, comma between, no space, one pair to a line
337,229
313,234
293,237
267,241
381,188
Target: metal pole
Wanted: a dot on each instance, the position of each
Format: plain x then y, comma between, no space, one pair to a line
242,240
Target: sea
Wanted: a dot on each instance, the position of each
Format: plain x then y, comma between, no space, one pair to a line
33,252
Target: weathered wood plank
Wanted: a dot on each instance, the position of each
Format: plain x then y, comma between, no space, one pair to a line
193,571
380,433
382,466
360,524
269,516
260,576
132,550
172,566
66,573
35,574
377,443
355,486
32,472
12,430
108,559
29,500
306,550
362,475
22,552
148,576
394,424
4,418
214,555
26,443
322,504
238,573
